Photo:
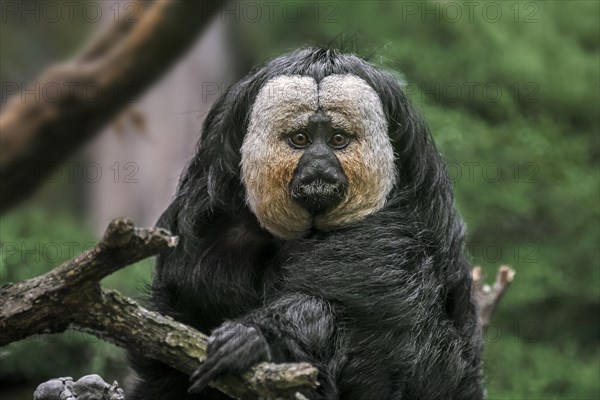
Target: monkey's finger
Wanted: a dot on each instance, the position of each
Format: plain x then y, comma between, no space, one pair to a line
233,356
198,380
218,355
219,337
211,369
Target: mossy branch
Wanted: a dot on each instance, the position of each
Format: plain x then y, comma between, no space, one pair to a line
70,296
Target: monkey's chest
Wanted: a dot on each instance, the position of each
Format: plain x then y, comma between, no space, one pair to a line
236,274
235,293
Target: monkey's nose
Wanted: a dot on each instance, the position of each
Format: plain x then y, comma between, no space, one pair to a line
318,195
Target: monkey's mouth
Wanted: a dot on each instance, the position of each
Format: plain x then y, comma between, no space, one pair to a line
318,196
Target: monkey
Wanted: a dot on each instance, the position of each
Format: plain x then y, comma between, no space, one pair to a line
317,224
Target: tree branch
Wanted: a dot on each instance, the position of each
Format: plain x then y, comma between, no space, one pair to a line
487,296
37,132
70,296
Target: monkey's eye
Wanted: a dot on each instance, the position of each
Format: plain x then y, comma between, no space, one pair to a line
339,140
299,139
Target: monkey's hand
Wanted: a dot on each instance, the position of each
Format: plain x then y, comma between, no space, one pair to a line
232,348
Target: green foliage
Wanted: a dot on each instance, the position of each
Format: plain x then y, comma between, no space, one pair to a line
558,372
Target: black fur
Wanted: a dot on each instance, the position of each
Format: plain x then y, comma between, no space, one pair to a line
382,306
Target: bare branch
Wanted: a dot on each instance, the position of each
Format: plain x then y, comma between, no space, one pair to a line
487,296
37,133
70,296
109,37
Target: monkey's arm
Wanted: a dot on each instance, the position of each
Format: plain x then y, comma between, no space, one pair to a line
297,327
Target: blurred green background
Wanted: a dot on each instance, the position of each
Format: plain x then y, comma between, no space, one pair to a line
511,92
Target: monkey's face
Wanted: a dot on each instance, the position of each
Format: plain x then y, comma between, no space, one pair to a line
316,155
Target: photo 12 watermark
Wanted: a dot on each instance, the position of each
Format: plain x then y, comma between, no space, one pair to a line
38,92
290,12
70,12
72,172
33,252
471,92
493,172
469,11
